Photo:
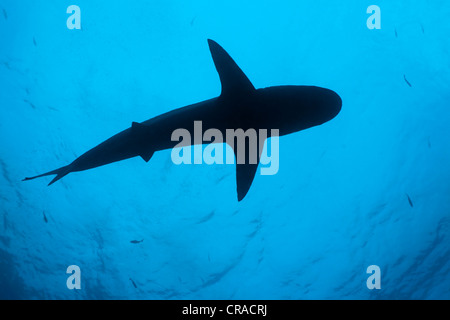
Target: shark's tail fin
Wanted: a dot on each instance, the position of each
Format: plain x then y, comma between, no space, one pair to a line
61,172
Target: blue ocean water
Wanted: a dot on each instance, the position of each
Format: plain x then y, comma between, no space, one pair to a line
370,187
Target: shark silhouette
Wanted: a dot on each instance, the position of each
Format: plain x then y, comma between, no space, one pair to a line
239,106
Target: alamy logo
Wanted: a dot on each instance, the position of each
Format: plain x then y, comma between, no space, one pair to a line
374,281
248,147
374,21
74,20
74,280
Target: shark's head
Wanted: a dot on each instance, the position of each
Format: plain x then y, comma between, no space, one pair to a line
317,104
326,104
297,108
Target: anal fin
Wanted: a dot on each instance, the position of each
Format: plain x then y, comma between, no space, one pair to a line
139,129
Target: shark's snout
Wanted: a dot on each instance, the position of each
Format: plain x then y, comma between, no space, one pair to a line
337,103
332,103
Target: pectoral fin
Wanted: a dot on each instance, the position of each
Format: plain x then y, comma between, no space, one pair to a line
245,173
246,166
234,81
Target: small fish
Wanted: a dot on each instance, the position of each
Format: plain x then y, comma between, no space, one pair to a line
32,105
192,21
429,142
134,284
136,241
45,217
421,27
6,64
5,14
409,200
407,82
34,42
206,218
395,30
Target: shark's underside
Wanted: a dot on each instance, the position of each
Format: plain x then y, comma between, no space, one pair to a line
287,109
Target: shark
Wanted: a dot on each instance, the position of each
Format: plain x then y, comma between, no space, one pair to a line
287,108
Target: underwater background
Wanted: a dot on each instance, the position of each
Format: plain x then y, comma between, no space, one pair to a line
370,187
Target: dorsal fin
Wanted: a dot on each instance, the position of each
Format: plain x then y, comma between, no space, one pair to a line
233,80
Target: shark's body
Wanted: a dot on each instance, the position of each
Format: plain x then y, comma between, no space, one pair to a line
239,106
